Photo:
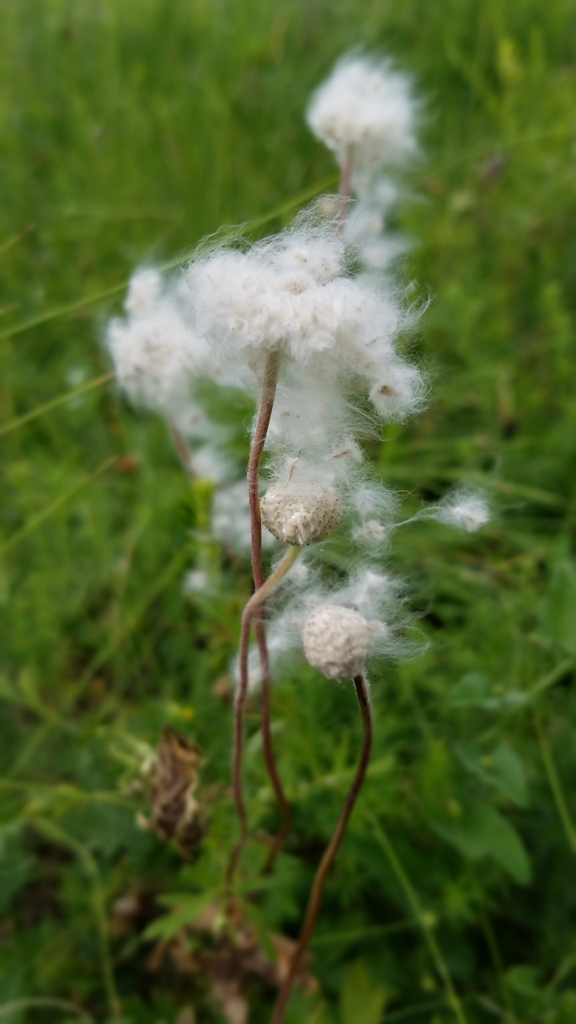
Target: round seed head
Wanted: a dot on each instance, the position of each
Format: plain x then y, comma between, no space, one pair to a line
300,515
337,640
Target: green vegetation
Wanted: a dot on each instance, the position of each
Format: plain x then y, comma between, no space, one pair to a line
128,132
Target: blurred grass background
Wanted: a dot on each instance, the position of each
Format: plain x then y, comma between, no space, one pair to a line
128,132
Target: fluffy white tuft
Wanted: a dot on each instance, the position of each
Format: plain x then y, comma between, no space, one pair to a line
464,509
211,464
371,532
231,518
155,353
374,508
196,581
400,391
311,416
366,104
144,290
365,232
249,307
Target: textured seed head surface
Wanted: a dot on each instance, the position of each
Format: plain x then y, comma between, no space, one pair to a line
300,515
337,640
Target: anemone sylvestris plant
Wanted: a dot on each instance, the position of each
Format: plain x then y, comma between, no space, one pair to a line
307,323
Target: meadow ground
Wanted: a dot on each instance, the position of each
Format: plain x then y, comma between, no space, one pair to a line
128,132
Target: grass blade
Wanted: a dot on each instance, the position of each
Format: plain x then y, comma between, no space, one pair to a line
55,506
41,410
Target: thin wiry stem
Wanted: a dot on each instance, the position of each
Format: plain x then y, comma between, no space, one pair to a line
57,835
252,606
452,996
55,506
238,748
266,715
258,442
54,403
259,439
555,784
41,1003
330,852
345,184
279,838
182,448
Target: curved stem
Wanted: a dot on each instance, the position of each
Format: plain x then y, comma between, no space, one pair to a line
345,184
57,835
254,604
266,713
330,852
452,996
555,784
259,439
182,448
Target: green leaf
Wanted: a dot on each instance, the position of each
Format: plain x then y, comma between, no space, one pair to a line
472,691
362,998
559,609
531,996
10,693
502,768
186,912
260,926
508,771
524,978
475,691
307,1009
482,831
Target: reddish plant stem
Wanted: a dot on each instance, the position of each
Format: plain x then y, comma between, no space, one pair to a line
330,852
182,449
268,395
238,749
279,838
345,184
258,441
251,607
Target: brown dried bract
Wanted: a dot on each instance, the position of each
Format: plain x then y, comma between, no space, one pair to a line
176,812
233,955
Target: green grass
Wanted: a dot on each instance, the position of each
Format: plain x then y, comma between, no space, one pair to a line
129,132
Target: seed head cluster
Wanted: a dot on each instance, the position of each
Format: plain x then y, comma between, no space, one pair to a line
320,299
367,105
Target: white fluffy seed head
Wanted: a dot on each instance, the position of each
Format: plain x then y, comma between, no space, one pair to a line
144,291
247,307
280,294
231,518
300,514
372,532
319,256
155,357
311,412
156,353
196,581
337,641
365,104
292,294
468,511
400,392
